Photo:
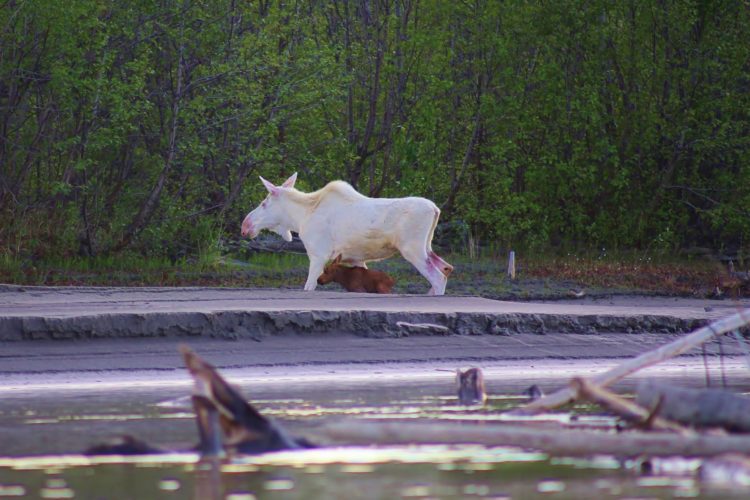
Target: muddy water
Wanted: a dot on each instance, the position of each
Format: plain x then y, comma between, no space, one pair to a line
42,433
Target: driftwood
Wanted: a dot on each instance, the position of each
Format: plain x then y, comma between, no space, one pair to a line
698,407
470,387
553,441
267,244
742,277
624,408
667,351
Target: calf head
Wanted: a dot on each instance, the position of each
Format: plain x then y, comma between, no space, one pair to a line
330,271
271,213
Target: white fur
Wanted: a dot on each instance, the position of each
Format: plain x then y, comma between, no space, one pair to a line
338,220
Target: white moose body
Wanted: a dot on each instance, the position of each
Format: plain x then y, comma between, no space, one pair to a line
337,220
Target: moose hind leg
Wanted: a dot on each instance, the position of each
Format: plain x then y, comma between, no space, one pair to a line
441,264
427,268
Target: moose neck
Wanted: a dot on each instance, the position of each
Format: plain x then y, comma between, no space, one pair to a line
297,207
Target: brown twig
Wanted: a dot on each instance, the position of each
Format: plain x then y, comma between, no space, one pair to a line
649,422
585,389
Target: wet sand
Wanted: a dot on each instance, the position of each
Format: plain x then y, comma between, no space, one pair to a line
298,353
44,369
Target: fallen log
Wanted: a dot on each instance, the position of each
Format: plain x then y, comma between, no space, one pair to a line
268,244
667,351
626,409
698,407
573,442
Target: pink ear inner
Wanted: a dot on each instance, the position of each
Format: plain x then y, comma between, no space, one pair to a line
269,186
289,183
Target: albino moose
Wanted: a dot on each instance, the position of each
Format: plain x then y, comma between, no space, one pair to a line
337,220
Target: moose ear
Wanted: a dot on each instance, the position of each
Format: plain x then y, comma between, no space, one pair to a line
289,183
271,188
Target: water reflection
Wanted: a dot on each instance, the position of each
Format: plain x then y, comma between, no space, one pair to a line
343,472
208,480
438,471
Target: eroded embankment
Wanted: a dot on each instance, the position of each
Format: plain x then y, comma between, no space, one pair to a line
28,313
257,324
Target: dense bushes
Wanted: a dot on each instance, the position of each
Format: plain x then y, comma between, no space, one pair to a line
135,125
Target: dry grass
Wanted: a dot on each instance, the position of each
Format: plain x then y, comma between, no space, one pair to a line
538,276
700,278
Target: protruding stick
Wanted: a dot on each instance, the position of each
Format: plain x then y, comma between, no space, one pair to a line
667,351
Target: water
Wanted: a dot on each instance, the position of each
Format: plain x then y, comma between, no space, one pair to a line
420,472
42,434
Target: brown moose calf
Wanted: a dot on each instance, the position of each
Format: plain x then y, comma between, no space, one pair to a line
356,279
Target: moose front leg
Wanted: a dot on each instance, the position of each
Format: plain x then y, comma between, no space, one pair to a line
317,264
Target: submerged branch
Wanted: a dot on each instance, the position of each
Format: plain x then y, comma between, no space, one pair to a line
626,409
679,346
554,441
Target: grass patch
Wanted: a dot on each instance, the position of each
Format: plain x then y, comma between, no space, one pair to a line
538,276
631,271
